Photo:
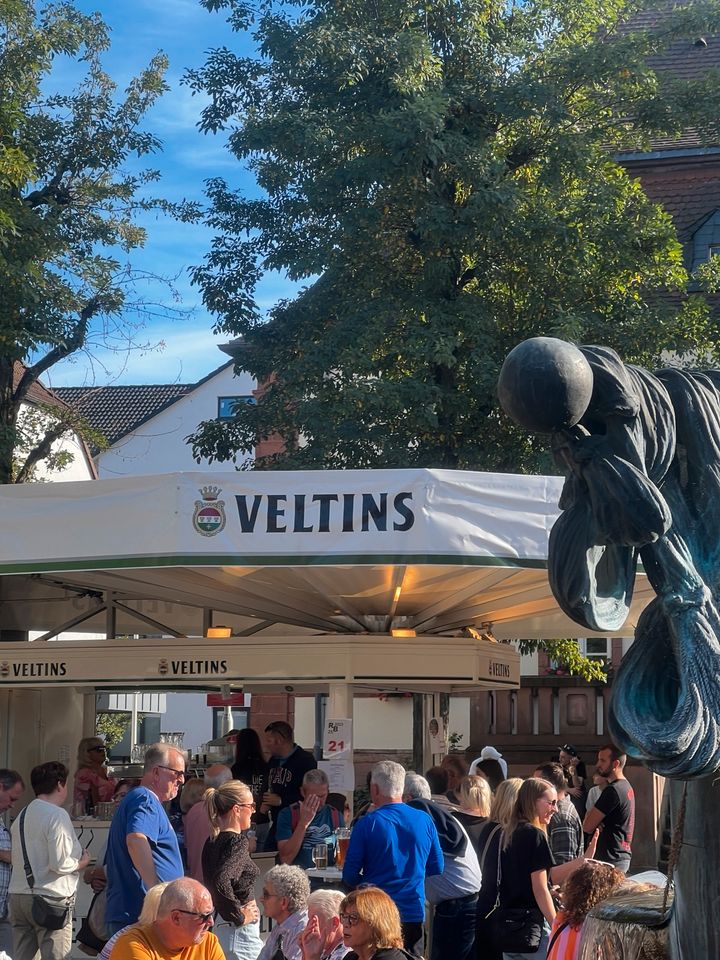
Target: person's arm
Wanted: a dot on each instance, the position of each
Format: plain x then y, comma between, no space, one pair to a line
539,881
289,845
560,872
138,848
6,856
65,855
606,803
435,861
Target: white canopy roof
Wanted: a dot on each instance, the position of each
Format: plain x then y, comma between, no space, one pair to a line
288,553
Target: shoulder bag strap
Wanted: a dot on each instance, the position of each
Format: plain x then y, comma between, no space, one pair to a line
487,845
555,936
28,868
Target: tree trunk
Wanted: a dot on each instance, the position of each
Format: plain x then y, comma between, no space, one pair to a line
695,931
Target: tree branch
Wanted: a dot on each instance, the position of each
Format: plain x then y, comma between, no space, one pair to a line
32,374
40,452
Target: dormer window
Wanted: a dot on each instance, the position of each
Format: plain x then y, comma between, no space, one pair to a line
706,239
227,405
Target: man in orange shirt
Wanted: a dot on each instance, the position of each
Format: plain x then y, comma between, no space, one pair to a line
181,930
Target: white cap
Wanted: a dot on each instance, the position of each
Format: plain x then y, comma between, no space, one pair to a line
489,753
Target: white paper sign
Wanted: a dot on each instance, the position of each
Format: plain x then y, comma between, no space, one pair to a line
338,738
340,772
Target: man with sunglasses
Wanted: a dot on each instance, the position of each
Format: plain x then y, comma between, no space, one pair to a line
181,930
142,846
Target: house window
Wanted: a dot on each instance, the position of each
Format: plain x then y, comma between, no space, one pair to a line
594,648
706,239
226,405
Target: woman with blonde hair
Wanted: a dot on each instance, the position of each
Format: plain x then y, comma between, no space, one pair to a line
371,926
527,867
501,808
92,783
474,797
228,871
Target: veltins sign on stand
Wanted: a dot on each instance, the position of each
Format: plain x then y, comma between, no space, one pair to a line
338,756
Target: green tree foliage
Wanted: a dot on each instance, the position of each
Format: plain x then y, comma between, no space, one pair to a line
112,727
442,175
69,205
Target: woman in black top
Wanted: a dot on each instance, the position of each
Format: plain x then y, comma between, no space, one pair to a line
252,768
371,926
526,858
501,809
229,873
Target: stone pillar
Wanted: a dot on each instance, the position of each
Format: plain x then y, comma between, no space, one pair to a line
695,932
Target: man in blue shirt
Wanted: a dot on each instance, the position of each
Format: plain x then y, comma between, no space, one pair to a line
142,847
395,847
301,825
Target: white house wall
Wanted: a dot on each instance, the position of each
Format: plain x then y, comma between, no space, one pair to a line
380,724
158,446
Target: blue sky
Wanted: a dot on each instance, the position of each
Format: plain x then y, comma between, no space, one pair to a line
185,31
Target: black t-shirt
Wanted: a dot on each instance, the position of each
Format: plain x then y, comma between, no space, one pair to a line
473,826
528,852
255,775
285,778
617,802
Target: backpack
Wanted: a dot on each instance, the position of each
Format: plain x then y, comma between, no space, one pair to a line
335,816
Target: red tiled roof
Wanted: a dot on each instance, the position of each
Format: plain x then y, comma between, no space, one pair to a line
38,393
684,58
688,195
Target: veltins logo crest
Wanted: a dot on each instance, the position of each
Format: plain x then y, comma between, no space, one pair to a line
4,669
209,515
163,667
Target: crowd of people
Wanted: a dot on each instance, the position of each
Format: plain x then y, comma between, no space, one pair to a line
504,867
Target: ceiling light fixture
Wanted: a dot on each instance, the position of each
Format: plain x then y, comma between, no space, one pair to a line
216,633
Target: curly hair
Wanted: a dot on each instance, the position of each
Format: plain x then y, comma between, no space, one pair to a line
587,886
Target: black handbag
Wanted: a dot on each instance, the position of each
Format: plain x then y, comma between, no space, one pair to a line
516,929
48,913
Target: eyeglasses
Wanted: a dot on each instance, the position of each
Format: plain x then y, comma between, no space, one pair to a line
206,918
266,894
349,919
251,805
179,775
90,749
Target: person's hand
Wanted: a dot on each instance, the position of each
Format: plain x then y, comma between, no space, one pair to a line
592,846
84,860
271,799
95,876
250,912
575,791
308,808
311,941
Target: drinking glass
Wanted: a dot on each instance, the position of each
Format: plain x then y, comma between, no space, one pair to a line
343,841
320,856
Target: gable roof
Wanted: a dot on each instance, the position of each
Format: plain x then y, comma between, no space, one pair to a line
38,392
115,411
685,59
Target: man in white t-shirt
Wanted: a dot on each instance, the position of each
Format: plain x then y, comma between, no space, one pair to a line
55,858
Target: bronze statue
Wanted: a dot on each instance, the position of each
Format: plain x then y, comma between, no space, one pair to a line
641,456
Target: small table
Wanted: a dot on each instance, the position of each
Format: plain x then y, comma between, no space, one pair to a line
330,877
